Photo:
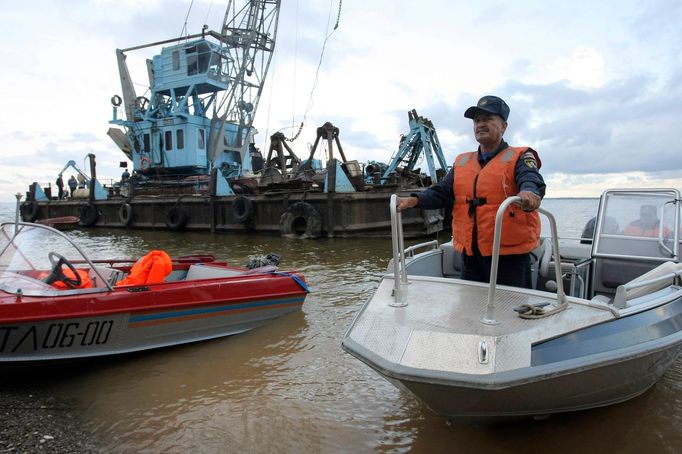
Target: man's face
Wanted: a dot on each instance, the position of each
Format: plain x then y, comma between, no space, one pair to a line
489,128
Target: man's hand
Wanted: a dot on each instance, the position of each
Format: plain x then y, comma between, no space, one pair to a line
407,202
529,200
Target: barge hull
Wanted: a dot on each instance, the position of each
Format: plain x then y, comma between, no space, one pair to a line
298,214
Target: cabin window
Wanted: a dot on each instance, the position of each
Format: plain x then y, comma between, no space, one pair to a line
180,139
176,60
204,57
200,140
191,53
147,145
198,58
215,66
169,140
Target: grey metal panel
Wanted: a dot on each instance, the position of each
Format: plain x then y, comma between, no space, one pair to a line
440,328
618,334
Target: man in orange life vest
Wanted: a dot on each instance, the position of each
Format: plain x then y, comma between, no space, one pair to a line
478,183
647,224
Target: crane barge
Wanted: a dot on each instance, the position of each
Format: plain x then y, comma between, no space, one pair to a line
190,139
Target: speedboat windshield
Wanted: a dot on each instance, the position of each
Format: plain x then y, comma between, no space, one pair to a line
28,255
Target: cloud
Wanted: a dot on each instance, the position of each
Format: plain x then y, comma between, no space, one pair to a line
595,89
584,68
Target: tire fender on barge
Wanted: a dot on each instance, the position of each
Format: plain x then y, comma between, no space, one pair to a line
176,218
33,212
89,215
125,214
301,220
242,209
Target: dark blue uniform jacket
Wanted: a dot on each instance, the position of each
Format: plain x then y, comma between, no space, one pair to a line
527,178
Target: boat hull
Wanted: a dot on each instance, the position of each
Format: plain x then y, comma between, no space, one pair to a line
141,318
579,359
574,389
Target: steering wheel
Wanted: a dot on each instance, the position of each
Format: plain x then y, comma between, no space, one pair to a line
57,273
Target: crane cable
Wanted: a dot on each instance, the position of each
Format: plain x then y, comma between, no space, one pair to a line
184,27
317,71
208,12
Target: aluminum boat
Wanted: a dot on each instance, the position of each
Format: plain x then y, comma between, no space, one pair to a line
602,324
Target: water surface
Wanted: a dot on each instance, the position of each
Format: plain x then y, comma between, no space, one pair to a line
289,388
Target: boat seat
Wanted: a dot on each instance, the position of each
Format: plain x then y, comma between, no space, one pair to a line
451,260
664,269
201,271
112,275
609,273
176,275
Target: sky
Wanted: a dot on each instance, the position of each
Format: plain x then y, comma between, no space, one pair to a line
594,87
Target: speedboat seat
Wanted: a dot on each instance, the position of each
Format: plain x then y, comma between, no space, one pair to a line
201,271
112,275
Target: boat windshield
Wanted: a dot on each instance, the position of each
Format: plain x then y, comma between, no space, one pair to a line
639,224
28,257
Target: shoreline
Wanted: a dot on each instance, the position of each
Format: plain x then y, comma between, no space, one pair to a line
33,420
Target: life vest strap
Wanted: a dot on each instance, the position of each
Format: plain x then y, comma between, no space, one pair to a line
475,202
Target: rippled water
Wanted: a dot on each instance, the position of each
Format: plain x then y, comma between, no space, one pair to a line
289,388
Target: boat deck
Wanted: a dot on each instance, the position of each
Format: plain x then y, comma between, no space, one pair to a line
440,328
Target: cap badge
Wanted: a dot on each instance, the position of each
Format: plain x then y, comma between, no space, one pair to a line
483,102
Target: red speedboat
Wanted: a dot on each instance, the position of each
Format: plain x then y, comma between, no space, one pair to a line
57,304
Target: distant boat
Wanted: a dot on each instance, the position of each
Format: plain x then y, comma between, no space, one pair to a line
61,223
58,304
478,351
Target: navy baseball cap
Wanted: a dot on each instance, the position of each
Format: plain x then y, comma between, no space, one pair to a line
491,105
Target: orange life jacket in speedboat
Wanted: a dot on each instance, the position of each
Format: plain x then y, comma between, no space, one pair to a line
479,191
638,229
86,282
150,269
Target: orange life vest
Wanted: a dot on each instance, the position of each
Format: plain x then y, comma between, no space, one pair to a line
150,269
86,282
636,229
479,193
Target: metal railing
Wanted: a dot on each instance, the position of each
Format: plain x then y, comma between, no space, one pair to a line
401,283
656,282
489,318
427,246
399,272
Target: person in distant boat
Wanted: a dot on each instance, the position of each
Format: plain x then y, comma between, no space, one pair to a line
73,184
477,184
647,224
125,176
60,187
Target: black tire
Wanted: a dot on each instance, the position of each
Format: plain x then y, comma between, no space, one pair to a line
89,215
242,209
32,212
125,214
176,218
301,220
